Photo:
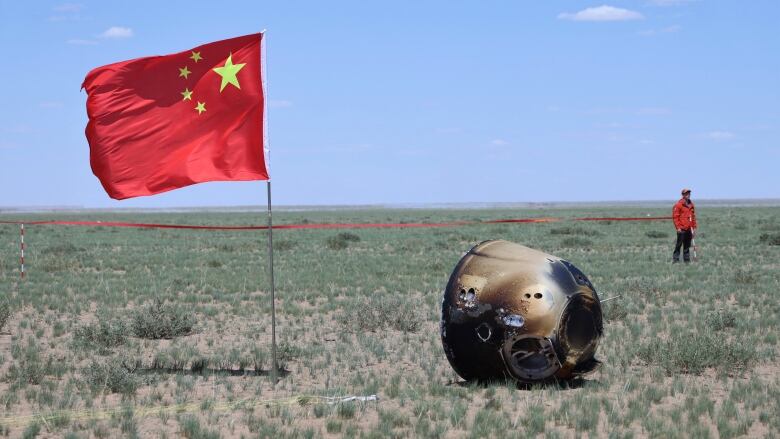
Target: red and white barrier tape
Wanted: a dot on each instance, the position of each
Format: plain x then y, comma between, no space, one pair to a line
307,226
609,218
329,225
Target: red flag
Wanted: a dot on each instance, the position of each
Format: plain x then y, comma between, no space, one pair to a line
165,122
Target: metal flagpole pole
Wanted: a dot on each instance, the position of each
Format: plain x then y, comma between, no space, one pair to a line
273,296
275,365
21,232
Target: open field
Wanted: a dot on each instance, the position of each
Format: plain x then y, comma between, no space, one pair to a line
166,333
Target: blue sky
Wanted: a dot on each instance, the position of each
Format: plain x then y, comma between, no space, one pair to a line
375,102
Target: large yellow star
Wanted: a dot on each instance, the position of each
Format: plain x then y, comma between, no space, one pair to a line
184,72
187,95
200,108
228,73
196,56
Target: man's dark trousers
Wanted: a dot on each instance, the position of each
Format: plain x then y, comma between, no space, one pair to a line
684,240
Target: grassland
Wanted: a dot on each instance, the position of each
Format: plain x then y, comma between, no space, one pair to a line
166,333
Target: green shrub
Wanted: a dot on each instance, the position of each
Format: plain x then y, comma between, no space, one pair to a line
576,242
127,421
614,311
284,244
102,335
333,426
534,420
569,230
770,238
32,430
489,423
378,312
159,320
191,429
693,353
393,418
114,376
30,366
63,249
5,313
341,241
285,353
744,277
178,357
646,288
346,410
720,319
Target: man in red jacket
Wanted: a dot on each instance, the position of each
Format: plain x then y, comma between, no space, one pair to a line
684,216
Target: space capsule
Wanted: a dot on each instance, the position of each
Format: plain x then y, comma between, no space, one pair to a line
512,311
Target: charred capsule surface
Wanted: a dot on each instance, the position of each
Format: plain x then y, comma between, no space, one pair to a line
512,311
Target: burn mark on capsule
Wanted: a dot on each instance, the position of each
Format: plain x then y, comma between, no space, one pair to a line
563,277
522,306
579,276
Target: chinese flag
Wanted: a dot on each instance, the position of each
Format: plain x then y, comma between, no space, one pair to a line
165,122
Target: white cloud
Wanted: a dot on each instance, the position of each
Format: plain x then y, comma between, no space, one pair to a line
602,13
664,30
74,17
499,142
81,42
117,32
68,7
720,136
280,103
67,12
669,2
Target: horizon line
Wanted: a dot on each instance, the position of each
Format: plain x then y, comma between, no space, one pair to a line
768,202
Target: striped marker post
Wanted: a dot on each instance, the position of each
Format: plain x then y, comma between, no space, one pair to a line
21,236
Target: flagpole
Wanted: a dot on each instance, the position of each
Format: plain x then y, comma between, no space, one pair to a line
21,234
267,153
273,295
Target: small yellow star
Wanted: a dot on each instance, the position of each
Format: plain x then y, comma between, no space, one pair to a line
201,107
184,72
196,56
187,95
